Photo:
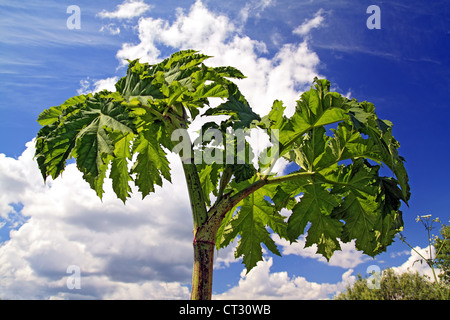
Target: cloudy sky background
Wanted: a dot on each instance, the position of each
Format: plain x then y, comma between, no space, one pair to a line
144,250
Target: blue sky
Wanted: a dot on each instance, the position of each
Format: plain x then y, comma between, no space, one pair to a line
143,249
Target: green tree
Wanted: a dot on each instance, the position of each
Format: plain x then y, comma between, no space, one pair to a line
392,286
338,145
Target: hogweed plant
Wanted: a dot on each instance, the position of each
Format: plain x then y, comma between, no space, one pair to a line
336,144
428,224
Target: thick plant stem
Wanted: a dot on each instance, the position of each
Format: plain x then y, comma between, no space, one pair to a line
203,241
207,223
199,213
202,274
204,246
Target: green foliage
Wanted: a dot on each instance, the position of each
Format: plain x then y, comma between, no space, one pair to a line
406,286
151,101
255,213
343,195
93,129
337,144
442,259
441,255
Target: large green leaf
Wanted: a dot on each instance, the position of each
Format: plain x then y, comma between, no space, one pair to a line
370,206
359,208
151,164
315,207
139,83
119,168
316,107
83,131
237,107
254,215
209,178
309,149
53,114
347,143
344,198
276,119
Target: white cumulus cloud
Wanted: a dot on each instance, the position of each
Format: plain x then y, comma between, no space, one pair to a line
134,249
127,10
91,86
261,283
347,257
415,262
289,72
309,24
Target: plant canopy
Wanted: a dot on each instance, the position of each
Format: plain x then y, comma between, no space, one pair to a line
338,146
